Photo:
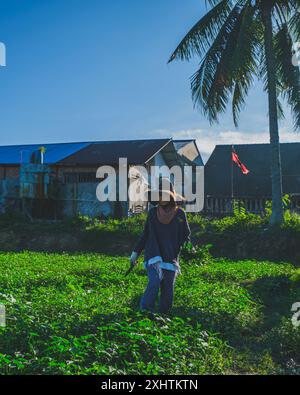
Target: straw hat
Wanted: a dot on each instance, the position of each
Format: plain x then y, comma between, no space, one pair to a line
166,195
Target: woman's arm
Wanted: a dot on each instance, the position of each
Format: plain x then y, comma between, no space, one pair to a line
140,245
186,231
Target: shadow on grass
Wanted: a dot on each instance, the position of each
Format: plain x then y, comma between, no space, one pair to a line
275,295
272,332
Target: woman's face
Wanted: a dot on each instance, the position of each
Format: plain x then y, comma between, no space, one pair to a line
166,202
163,203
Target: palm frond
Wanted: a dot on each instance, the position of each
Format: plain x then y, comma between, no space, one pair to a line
288,12
288,75
209,87
212,3
294,23
229,65
245,58
229,40
200,37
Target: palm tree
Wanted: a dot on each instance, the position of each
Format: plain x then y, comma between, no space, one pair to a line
237,42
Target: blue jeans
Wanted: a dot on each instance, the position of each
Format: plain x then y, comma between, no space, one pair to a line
166,287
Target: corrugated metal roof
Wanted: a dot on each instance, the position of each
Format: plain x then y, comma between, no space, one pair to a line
15,154
87,153
109,152
257,158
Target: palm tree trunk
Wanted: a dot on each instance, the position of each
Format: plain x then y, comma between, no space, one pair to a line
277,207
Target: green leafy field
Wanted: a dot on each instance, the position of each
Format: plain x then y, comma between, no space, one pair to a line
77,314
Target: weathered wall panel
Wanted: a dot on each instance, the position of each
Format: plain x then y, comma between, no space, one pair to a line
81,198
9,195
34,181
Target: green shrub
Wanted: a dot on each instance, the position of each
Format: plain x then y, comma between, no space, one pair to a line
196,255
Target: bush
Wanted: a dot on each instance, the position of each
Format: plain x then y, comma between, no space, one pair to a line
240,236
196,255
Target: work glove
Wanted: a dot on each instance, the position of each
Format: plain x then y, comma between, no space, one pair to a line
133,258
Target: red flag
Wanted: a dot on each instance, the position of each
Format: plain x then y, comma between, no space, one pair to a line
236,160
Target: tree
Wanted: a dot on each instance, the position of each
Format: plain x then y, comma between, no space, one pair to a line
237,42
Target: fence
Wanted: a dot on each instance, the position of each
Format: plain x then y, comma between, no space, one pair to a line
219,206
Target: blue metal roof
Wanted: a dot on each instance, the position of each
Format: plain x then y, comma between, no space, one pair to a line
92,152
15,154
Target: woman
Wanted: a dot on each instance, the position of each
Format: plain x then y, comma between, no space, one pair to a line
165,232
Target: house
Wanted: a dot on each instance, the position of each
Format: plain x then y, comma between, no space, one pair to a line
59,180
225,182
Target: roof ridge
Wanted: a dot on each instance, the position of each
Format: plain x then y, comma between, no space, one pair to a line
249,144
83,142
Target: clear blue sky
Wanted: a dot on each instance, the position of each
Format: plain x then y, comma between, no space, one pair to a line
97,70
